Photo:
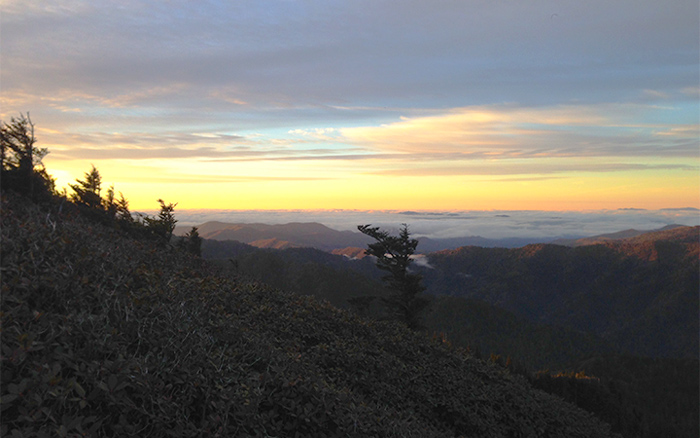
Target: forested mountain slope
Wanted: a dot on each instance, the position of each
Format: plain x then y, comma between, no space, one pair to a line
467,323
640,397
104,335
640,294
666,233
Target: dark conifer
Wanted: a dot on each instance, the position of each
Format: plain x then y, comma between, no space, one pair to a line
194,242
87,191
393,255
163,225
20,160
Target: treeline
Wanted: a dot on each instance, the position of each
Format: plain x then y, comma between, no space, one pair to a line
24,172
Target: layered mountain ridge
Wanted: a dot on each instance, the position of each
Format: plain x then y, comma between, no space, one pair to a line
281,236
319,236
638,292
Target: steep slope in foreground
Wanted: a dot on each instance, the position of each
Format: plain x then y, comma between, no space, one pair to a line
106,336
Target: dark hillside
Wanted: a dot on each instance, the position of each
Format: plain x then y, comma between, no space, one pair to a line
306,271
639,397
492,330
639,294
103,335
467,323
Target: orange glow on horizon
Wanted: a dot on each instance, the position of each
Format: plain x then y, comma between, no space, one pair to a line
475,158
350,191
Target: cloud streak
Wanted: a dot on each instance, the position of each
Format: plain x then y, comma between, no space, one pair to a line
511,131
535,168
222,179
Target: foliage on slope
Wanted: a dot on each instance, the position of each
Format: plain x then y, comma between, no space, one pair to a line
103,335
638,397
305,271
491,330
634,402
472,324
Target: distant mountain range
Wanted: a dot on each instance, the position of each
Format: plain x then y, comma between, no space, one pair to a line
635,289
632,236
292,235
351,244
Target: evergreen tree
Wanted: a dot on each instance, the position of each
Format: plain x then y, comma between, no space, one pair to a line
109,203
20,159
163,225
122,209
393,255
193,242
87,191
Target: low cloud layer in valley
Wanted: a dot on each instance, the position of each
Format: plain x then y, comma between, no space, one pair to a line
450,224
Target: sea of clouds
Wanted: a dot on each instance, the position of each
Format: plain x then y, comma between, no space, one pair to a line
450,224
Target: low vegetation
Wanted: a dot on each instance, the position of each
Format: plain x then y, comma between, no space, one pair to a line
625,392
107,335
638,397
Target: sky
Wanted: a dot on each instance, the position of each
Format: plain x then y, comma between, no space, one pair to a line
361,105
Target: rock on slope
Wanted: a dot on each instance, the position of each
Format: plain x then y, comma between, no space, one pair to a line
103,335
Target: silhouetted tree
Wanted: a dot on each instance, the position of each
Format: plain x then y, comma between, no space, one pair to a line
87,191
163,225
193,242
20,159
109,203
110,210
122,209
393,255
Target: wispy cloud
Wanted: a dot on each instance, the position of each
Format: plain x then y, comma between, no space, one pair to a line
220,179
533,168
655,94
688,132
691,91
511,131
130,153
